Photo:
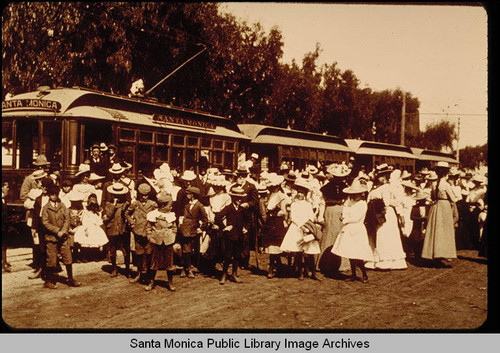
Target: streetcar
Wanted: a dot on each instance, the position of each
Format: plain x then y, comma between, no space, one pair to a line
428,158
63,123
298,149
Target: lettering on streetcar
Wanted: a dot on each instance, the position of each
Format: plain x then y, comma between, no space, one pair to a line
31,103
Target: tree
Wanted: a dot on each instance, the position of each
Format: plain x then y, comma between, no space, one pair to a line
473,157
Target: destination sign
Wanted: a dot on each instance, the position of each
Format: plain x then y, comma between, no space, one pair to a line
183,121
31,103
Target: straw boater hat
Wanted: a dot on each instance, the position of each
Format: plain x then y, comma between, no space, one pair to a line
383,169
41,160
95,146
117,168
82,169
213,171
442,165
193,190
237,191
405,175
262,189
338,170
188,175
356,188
312,169
431,176
275,180
301,184
117,189
242,171
227,172
304,174
103,147
424,171
217,180
95,177
112,146
144,189
284,166
290,176
125,165
254,155
39,174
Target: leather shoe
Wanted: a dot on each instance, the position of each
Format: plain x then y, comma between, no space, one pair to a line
73,283
170,287
37,274
50,285
135,279
150,286
235,279
190,274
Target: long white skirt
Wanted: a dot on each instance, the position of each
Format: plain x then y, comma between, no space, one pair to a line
388,252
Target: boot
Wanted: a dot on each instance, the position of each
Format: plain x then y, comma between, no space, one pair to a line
170,279
114,272
70,281
150,285
312,268
50,281
223,279
37,274
136,278
190,273
301,273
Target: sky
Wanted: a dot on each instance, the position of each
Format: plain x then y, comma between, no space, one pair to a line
437,53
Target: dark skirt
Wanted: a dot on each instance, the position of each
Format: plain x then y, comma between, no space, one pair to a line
273,231
162,257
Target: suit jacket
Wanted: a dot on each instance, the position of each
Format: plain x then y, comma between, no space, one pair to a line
28,183
100,167
192,219
55,219
136,216
237,218
115,223
161,228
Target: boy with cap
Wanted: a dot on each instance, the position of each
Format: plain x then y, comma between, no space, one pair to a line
161,232
191,225
55,219
114,220
136,218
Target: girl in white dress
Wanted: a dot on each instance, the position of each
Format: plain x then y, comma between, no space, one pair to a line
301,211
352,241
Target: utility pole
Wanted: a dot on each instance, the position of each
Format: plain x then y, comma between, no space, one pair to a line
403,115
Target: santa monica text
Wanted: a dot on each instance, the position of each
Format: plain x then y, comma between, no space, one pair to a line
166,343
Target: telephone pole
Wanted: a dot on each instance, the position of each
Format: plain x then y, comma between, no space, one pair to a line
403,116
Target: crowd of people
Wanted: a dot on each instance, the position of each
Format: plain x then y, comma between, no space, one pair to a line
320,219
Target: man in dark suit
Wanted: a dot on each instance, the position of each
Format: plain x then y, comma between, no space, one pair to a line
251,205
97,164
192,224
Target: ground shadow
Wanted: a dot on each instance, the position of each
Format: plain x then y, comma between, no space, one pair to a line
479,260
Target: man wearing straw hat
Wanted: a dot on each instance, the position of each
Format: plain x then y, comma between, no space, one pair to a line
29,182
116,172
98,165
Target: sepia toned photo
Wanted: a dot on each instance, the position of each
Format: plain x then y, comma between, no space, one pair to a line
256,166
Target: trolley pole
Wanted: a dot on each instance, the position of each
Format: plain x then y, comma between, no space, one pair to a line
458,142
403,116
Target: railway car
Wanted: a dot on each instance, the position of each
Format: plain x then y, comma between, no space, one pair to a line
298,148
370,154
428,158
63,123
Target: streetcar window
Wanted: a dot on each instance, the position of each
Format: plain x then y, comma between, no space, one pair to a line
51,140
27,143
145,136
178,140
206,143
162,138
161,153
127,134
218,144
97,132
127,153
192,141
144,157
229,146
217,158
228,160
191,158
177,158
7,145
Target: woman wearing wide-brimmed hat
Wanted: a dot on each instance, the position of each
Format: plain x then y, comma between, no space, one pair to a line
84,187
388,249
352,241
439,242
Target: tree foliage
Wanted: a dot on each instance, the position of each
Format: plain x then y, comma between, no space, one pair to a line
473,157
107,46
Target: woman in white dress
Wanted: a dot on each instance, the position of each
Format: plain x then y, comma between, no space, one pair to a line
301,211
388,252
352,241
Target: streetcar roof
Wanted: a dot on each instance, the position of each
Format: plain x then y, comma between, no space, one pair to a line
379,148
436,156
262,134
79,102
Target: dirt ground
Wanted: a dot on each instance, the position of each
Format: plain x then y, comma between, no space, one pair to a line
416,298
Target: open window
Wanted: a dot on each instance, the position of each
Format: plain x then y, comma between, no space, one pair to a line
27,143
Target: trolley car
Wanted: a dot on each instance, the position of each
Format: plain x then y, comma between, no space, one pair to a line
298,148
63,123
428,158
